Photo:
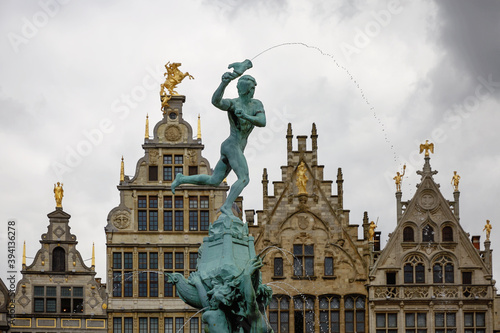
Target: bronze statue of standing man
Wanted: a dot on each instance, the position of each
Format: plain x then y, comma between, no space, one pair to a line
244,113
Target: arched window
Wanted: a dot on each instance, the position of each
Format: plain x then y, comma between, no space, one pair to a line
408,234
279,313
427,234
447,234
304,314
414,270
58,259
354,313
443,266
329,313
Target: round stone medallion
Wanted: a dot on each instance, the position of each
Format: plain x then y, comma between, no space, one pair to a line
173,133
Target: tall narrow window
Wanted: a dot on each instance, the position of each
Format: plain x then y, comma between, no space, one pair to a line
304,314
354,314
427,234
408,234
58,259
167,168
447,234
445,322
303,260
415,322
328,266
179,213
386,322
414,270
153,173
443,267
279,308
329,314
278,266
169,325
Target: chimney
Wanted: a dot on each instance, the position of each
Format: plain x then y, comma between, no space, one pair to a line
476,242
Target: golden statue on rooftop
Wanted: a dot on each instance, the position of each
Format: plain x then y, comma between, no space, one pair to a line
427,146
455,180
173,77
302,178
371,231
399,179
58,194
487,228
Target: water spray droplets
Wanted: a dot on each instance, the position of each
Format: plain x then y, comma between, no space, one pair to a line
356,83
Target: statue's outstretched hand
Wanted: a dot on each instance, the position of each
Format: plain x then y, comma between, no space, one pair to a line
254,264
228,76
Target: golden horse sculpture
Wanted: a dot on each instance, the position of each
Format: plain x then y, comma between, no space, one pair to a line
173,77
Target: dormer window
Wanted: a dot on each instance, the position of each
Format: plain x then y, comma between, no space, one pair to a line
447,234
58,259
408,234
427,234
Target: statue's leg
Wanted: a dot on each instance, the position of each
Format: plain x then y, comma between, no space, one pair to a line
221,171
239,164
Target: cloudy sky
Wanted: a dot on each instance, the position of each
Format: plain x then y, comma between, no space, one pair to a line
78,78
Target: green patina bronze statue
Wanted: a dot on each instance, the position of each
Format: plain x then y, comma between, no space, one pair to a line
227,284
244,114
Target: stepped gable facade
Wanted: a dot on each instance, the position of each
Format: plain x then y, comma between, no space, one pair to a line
315,262
153,231
430,274
58,292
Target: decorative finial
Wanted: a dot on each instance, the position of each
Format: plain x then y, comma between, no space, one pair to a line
173,77
455,180
301,181
146,135
487,228
427,146
58,194
122,171
93,255
399,179
198,136
24,254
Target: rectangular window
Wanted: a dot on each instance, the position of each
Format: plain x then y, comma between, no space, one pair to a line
153,220
39,305
167,221
328,266
304,260
128,284
179,220
193,202
117,284
168,262
153,260
193,220
117,260
179,202
390,278
194,325
204,221
142,220
153,201
39,291
178,159
169,325
128,325
178,169
142,202
167,159
143,325
117,325
204,202
167,202
153,325
167,173
127,264
51,305
169,287
193,170
466,277
153,173
153,284
143,284
143,260
386,322
278,266
179,260
416,322
179,323
445,322
193,260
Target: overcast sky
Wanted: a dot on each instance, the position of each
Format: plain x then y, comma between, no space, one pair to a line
78,78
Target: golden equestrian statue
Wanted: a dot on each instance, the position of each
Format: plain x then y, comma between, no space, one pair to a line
427,146
173,77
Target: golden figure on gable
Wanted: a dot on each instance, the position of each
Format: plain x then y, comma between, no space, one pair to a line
455,180
371,231
58,194
487,228
302,178
427,146
399,179
173,77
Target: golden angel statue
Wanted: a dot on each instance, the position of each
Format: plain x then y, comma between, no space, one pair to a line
58,194
455,180
427,146
399,179
173,77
